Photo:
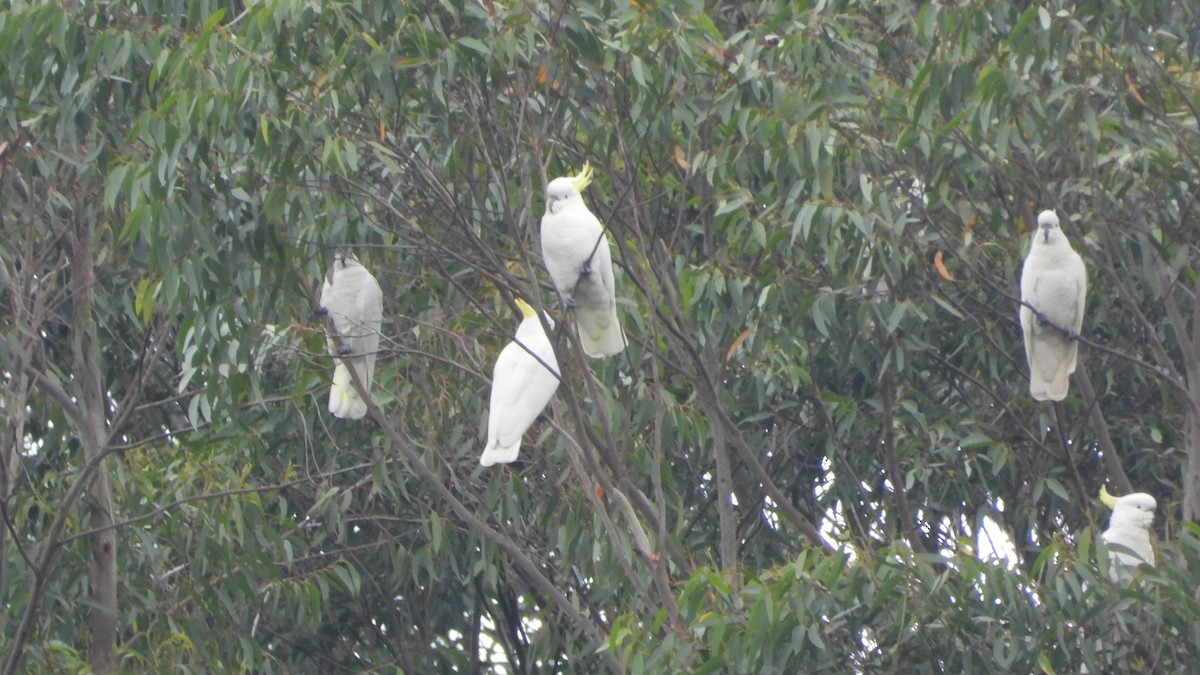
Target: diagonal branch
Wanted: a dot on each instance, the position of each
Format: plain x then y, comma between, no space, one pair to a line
55,391
1108,450
151,352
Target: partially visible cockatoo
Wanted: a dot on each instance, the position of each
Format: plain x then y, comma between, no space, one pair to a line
522,385
1129,527
576,253
352,299
1054,282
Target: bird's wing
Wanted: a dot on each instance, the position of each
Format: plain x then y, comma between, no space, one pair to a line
521,388
1027,319
368,310
1135,545
568,240
600,330
339,298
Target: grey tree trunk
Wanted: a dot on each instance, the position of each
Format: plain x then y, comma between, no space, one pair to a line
93,432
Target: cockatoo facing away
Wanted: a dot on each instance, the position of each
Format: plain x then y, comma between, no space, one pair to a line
521,387
1129,527
1054,281
576,252
353,301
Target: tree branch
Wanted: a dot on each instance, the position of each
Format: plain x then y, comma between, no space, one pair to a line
159,510
1108,450
710,400
888,441
53,390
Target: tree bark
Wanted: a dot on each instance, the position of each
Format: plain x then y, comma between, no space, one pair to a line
10,455
908,523
710,401
14,428
1108,449
1192,481
102,587
1191,436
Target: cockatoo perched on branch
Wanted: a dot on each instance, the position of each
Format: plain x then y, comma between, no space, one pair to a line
1054,282
576,253
1129,527
353,301
523,381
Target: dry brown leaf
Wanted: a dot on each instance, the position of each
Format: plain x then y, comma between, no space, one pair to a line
738,343
680,158
941,267
1133,90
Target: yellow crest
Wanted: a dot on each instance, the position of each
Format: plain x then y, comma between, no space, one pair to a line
1106,498
526,310
583,178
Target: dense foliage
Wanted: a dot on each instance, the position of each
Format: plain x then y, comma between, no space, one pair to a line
818,452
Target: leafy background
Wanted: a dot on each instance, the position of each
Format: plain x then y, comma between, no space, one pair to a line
818,452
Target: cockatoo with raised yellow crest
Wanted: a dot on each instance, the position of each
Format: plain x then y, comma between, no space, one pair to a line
523,381
1054,282
352,300
1129,528
576,252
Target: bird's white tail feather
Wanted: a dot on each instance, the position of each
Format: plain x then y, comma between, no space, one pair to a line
344,401
1050,379
602,341
499,454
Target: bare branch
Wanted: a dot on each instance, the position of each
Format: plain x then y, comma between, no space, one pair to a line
1108,450
55,391
888,442
208,496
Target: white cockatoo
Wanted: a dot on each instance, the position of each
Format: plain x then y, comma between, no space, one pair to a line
521,387
1129,527
1054,282
353,301
577,255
